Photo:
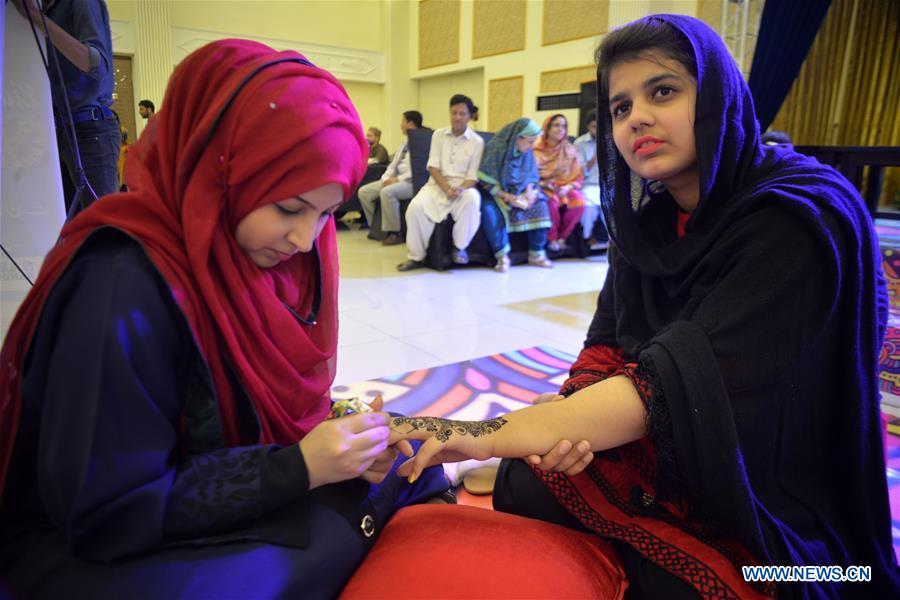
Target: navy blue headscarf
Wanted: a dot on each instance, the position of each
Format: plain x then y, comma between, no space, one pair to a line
762,328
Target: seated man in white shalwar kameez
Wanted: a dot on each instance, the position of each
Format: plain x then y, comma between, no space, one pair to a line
453,164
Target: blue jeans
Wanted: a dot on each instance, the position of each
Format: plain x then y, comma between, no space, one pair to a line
494,226
98,144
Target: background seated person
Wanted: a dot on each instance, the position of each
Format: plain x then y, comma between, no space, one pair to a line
560,179
395,185
586,149
453,165
378,154
513,201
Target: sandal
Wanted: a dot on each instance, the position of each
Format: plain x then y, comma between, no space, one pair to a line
502,265
540,261
480,482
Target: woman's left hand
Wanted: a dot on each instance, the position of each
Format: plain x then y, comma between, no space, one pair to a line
445,440
384,461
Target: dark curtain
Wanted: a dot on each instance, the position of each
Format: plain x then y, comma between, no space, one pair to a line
786,32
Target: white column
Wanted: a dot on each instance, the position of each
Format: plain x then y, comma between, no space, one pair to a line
399,92
626,12
153,50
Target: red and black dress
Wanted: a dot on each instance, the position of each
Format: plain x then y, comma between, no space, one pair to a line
753,340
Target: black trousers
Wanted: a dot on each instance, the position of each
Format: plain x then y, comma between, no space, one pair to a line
244,568
517,491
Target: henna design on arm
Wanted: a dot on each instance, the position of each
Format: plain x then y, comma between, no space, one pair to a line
444,428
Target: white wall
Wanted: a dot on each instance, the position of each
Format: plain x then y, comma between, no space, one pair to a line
344,36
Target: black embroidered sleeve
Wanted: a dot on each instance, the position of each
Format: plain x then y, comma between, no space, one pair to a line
230,488
659,427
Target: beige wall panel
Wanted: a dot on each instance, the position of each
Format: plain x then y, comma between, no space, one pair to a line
498,27
123,96
710,12
438,33
505,101
400,93
341,23
674,7
435,93
366,97
152,64
566,20
567,80
122,10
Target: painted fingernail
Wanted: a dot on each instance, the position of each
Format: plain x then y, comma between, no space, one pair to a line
413,477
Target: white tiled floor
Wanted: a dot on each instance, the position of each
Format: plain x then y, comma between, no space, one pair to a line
395,322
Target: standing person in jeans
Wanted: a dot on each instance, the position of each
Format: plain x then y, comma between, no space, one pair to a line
80,32
453,164
395,185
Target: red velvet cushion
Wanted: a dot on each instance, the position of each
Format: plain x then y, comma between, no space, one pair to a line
447,551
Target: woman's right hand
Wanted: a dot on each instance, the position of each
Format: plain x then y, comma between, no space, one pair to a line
565,457
340,449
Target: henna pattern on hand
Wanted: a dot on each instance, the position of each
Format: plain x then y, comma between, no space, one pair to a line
444,428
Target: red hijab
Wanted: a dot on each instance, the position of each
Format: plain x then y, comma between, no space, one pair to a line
291,128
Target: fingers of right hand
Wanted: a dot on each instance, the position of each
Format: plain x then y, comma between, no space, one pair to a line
373,476
377,437
363,421
420,461
354,464
406,468
549,397
405,448
567,462
581,465
552,459
401,430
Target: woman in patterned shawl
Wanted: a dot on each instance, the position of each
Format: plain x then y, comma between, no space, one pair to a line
511,200
561,179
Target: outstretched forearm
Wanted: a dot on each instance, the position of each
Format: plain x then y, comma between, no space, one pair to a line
607,414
